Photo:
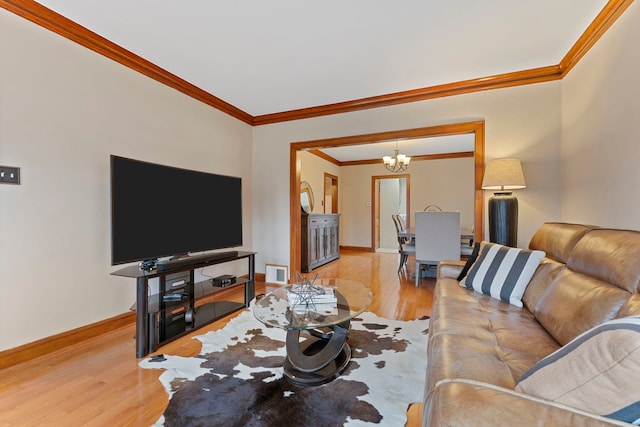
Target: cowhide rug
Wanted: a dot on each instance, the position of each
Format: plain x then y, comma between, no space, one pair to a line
237,379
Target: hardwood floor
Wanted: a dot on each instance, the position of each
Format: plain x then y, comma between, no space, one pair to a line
98,382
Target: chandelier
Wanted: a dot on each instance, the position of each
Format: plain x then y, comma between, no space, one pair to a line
397,163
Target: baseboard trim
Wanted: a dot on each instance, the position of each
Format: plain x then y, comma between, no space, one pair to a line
356,248
44,346
47,345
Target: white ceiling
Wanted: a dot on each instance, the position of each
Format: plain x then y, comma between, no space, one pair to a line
267,57
271,56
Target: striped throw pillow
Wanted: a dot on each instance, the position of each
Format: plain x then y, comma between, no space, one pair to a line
503,272
598,371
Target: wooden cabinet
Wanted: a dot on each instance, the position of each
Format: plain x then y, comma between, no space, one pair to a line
320,240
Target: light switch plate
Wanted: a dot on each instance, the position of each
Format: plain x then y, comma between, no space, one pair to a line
9,175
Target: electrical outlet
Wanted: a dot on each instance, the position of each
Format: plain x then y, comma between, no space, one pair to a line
9,175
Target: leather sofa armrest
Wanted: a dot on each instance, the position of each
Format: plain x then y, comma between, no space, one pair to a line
450,269
470,403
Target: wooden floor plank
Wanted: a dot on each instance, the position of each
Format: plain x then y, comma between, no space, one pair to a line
98,382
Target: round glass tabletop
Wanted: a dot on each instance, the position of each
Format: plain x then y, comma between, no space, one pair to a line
328,302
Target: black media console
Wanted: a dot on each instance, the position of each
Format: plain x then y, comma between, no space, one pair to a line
172,312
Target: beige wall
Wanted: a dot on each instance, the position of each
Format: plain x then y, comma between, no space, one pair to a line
63,111
601,143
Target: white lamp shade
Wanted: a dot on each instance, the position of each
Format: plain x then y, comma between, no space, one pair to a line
503,174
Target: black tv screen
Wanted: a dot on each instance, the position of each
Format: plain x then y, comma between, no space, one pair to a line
159,211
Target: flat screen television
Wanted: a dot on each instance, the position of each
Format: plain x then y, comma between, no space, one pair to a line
160,211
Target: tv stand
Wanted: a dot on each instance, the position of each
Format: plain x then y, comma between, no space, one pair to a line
172,313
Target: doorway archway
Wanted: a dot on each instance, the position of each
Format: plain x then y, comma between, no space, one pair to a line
473,127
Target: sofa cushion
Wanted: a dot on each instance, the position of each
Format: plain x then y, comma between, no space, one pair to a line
542,278
473,404
598,371
609,255
503,272
631,307
476,337
574,303
557,239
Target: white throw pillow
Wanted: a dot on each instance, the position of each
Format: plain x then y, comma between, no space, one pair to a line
598,371
503,272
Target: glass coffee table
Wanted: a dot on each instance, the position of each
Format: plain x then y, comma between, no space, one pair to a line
324,353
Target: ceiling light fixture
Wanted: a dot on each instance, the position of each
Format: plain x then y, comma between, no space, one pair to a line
397,163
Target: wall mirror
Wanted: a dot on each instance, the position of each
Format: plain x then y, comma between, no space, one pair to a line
306,197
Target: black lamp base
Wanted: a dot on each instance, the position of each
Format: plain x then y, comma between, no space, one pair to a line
503,219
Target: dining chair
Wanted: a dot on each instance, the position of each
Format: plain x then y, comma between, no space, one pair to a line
403,220
437,239
405,247
396,222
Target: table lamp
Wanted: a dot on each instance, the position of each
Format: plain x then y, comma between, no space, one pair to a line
503,175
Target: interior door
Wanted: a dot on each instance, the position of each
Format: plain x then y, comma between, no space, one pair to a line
400,205
390,204
330,199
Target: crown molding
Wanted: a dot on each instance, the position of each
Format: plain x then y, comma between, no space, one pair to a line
69,29
336,162
326,157
460,155
605,19
536,75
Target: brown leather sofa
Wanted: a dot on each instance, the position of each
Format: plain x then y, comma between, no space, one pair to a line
479,346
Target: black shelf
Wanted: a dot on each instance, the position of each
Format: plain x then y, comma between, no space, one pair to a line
204,314
200,290
205,288
212,311
159,320
134,271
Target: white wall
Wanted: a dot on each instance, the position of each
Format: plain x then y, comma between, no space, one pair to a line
601,150
63,110
522,122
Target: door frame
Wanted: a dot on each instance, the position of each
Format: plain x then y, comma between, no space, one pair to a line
334,192
476,127
375,203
